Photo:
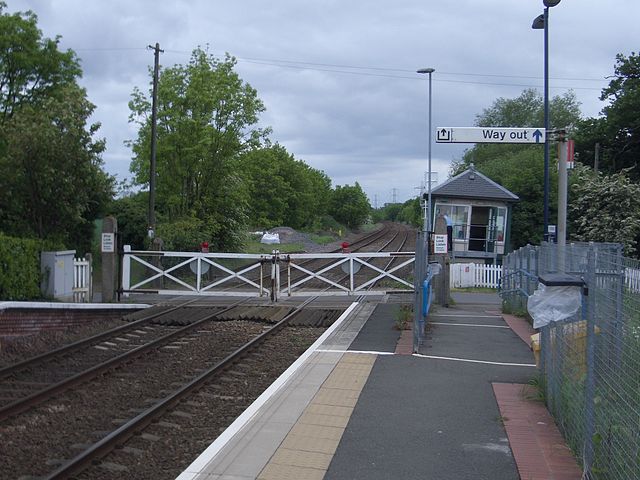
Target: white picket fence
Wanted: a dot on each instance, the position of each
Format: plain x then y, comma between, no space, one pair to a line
82,280
632,279
468,275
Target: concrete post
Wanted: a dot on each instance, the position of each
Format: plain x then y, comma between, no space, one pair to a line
109,249
562,203
89,258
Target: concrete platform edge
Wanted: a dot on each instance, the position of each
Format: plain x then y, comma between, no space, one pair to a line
193,471
71,306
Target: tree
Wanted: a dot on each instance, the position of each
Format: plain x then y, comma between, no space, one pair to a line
349,205
521,173
51,180
605,208
411,213
618,130
207,118
132,214
520,168
31,67
527,110
283,190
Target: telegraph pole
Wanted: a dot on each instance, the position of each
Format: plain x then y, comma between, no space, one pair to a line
152,163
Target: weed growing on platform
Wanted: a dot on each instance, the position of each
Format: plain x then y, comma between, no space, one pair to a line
538,382
403,317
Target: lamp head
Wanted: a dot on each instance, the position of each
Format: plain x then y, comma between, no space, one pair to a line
550,3
426,70
538,22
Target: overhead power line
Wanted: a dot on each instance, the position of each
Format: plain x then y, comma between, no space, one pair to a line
375,71
405,77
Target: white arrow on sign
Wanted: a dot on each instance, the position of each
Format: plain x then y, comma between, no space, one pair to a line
490,135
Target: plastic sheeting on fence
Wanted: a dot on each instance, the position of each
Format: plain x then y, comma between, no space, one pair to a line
553,304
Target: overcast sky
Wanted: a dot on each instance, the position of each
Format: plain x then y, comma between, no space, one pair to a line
338,77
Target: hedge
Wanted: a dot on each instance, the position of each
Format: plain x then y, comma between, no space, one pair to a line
19,268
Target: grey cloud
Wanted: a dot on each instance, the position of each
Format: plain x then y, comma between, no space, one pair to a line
370,129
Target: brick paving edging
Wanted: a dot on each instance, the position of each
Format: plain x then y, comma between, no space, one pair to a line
405,342
538,447
520,326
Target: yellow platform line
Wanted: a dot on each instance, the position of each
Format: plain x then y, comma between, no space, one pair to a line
308,448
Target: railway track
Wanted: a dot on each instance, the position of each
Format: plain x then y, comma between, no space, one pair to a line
363,243
393,238
142,396
34,380
143,400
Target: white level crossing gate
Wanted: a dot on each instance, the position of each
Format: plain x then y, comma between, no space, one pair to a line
272,275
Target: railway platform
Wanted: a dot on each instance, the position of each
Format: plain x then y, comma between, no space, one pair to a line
355,407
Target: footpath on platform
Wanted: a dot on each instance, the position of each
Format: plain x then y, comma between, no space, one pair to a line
368,408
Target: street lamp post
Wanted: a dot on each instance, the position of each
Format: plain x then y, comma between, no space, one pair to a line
426,227
422,247
542,22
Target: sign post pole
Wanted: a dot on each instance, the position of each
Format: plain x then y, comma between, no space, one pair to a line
562,200
109,252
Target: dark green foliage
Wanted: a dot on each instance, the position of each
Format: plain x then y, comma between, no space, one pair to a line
51,181
408,212
283,190
520,168
132,212
326,223
31,67
20,268
521,172
527,110
207,119
411,213
52,185
186,235
349,205
618,130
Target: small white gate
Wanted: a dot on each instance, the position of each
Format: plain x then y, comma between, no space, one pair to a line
82,280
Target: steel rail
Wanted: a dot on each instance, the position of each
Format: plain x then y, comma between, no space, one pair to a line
29,362
345,277
362,242
121,434
38,397
390,262
368,240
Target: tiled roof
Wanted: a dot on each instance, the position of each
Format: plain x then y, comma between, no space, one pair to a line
473,184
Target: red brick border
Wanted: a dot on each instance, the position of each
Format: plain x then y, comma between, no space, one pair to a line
538,447
405,342
520,326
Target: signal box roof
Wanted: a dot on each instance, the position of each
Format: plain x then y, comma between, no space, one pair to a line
472,184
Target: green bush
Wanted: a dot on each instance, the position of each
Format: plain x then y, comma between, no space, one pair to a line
19,268
185,234
326,223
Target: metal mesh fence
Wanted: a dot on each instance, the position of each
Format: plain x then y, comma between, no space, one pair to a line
590,364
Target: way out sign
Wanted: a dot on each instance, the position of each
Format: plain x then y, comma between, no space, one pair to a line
489,135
